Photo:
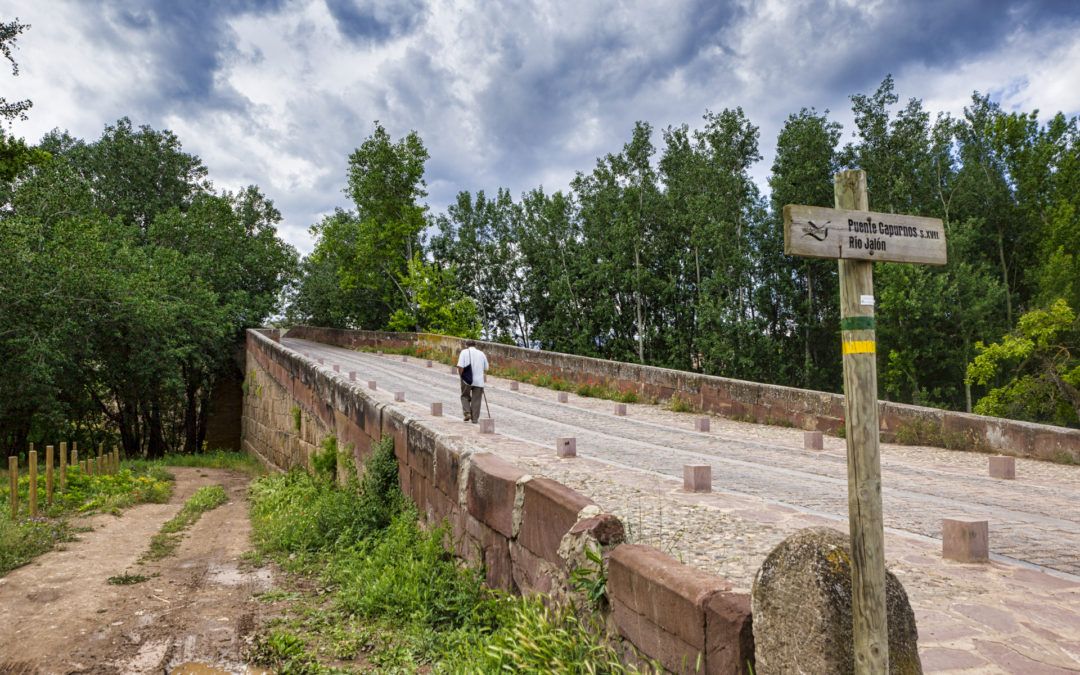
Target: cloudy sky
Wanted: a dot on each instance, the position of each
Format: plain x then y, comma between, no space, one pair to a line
511,94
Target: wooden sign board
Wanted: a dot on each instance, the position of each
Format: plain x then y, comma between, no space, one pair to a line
817,232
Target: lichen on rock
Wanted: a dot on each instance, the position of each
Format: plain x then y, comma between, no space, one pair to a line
801,605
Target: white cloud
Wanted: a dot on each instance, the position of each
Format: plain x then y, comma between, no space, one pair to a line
511,94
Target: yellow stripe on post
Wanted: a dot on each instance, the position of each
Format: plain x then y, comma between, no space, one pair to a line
859,347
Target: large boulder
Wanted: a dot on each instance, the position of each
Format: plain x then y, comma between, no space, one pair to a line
801,606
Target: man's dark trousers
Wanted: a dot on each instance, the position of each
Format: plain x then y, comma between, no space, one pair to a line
470,401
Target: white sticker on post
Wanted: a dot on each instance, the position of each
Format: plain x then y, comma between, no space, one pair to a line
866,300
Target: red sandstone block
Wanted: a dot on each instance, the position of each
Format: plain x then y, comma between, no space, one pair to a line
697,477
531,573
965,540
701,424
352,376
673,653
490,491
428,364
404,359
548,512
371,384
620,409
563,398
605,528
514,385
436,409
337,368
447,469
1003,467
729,633
399,396
663,590
812,440
487,425
453,370
566,447
421,450
494,553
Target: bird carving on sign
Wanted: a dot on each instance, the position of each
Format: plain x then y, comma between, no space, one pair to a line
819,232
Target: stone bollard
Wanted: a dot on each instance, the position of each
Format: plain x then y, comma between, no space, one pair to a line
514,385
337,368
427,364
321,362
965,540
566,447
697,477
378,352
812,440
620,409
563,398
399,396
453,370
371,384
487,425
404,359
1003,467
352,376
701,424
436,409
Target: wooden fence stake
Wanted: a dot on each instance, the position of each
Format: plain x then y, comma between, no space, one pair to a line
33,484
75,454
63,464
48,475
13,482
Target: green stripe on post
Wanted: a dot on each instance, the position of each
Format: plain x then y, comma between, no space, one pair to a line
857,323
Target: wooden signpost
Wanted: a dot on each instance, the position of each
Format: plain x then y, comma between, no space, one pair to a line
858,237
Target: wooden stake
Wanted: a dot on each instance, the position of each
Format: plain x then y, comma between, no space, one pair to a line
48,475
75,454
869,617
13,485
63,464
33,484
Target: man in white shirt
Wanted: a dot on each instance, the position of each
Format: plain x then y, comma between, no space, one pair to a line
471,365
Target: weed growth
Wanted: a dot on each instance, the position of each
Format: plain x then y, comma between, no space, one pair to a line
25,538
679,404
165,542
395,598
211,459
126,579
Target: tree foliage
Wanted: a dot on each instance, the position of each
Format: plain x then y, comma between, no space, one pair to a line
129,284
666,253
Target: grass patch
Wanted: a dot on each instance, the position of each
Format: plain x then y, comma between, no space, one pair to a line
24,538
212,459
389,596
679,404
608,393
165,542
126,579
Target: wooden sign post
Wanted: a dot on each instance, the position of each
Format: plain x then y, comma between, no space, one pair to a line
857,237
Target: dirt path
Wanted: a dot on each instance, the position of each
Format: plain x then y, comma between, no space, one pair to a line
61,616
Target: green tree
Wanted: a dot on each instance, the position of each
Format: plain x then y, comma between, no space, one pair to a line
1037,367
437,306
805,292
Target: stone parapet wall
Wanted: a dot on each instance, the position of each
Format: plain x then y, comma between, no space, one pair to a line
738,399
528,532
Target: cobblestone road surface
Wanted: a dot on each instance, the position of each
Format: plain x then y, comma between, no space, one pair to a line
972,618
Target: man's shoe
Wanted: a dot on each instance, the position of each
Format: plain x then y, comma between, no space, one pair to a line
467,418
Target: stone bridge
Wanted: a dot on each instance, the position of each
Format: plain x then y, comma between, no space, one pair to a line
679,588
